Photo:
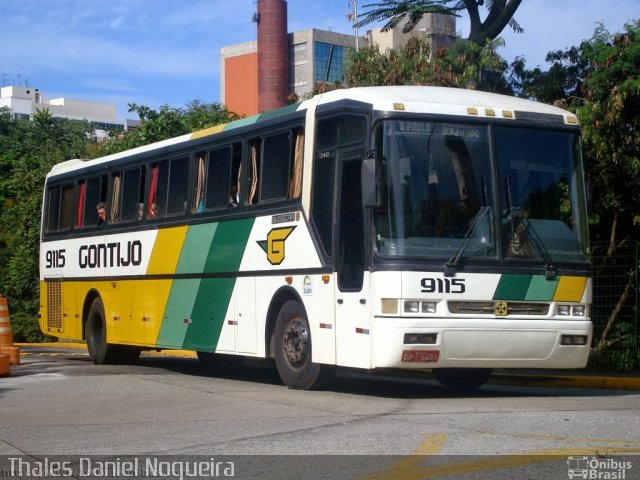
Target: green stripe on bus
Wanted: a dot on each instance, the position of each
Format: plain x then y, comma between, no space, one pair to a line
214,294
241,123
196,248
541,289
227,248
278,112
182,297
178,309
512,287
209,312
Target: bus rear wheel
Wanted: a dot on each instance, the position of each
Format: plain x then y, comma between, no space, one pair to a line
461,380
293,350
100,351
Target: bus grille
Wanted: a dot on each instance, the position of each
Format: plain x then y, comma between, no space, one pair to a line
489,308
54,304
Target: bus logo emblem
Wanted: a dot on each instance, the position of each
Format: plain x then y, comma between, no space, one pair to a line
501,309
274,244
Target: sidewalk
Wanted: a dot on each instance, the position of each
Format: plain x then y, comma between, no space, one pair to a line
527,378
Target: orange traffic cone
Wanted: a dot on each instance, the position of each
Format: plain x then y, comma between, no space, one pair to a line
6,337
4,365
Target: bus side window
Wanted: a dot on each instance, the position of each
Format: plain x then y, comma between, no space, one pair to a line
60,211
168,189
96,192
219,183
276,166
131,196
178,183
322,199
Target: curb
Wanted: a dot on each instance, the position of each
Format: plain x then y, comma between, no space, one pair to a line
567,381
523,379
82,346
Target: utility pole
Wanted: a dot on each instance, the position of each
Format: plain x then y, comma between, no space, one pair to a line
355,23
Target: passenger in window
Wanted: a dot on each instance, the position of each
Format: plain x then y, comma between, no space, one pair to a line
234,197
153,210
102,213
140,212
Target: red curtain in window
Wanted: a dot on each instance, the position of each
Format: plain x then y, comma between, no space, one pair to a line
80,205
152,191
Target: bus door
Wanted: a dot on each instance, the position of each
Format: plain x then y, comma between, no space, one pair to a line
353,319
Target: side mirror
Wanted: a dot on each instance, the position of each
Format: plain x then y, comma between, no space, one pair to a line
369,183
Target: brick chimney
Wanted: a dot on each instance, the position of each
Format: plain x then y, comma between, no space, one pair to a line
273,71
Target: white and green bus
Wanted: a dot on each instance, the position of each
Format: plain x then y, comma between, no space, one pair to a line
381,227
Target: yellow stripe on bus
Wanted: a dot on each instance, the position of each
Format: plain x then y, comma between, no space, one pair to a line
570,289
207,131
166,250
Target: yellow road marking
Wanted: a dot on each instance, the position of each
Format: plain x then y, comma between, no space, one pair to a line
404,468
412,467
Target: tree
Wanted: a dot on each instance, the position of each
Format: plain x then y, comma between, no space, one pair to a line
600,81
28,151
465,64
394,12
167,122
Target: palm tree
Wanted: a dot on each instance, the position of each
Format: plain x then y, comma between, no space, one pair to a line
393,12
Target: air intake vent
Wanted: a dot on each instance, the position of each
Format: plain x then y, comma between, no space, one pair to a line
489,308
54,305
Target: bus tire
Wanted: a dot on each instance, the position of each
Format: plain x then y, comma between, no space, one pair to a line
461,380
100,351
218,362
293,350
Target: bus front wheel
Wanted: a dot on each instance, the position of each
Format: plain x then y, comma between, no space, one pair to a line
293,350
100,351
462,379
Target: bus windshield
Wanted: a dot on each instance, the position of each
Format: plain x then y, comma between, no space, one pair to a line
439,191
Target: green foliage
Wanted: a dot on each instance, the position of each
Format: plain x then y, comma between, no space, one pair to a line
394,12
167,122
611,125
25,328
411,11
29,150
464,65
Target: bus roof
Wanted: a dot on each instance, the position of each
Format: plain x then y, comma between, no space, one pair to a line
415,99
443,100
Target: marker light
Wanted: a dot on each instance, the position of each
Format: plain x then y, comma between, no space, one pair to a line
389,306
411,306
578,310
428,307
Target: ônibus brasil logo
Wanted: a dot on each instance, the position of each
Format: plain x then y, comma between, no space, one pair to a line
274,244
601,468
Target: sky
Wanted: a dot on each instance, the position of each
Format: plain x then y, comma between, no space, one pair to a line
156,52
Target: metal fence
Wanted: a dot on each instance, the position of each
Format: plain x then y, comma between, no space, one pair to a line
615,308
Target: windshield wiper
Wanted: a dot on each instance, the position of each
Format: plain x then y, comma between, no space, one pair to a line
449,268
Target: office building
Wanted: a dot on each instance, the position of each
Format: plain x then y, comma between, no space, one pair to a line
266,73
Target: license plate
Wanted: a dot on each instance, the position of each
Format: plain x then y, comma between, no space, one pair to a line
421,356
